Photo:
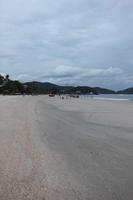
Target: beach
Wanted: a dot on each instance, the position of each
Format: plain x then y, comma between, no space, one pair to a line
54,149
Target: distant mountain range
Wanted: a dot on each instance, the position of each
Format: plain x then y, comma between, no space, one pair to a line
8,86
45,87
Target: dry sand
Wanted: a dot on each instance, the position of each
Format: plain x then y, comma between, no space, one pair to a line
53,149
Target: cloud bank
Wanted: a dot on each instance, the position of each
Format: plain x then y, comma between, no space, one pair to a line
77,42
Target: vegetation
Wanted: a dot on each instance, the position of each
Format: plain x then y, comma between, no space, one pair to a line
14,87
45,88
8,86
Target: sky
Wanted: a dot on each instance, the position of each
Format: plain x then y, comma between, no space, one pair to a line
68,42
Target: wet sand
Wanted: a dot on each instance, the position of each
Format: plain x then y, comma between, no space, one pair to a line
65,149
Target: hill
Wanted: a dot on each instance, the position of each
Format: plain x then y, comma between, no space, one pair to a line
41,85
8,86
38,87
103,90
126,91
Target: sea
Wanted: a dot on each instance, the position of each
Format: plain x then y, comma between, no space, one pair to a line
115,97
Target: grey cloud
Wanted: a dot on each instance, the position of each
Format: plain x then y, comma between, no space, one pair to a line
43,37
70,75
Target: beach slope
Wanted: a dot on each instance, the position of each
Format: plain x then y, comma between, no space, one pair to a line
65,149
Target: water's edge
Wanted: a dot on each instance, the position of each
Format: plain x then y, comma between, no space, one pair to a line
118,97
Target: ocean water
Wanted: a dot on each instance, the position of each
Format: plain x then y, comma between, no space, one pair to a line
120,97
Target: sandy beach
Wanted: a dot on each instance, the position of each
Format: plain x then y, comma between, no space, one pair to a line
77,149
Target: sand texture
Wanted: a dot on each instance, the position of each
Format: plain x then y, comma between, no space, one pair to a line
71,149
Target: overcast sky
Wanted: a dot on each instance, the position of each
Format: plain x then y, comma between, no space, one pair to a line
72,42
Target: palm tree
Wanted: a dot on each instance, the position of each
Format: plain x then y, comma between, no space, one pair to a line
7,77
